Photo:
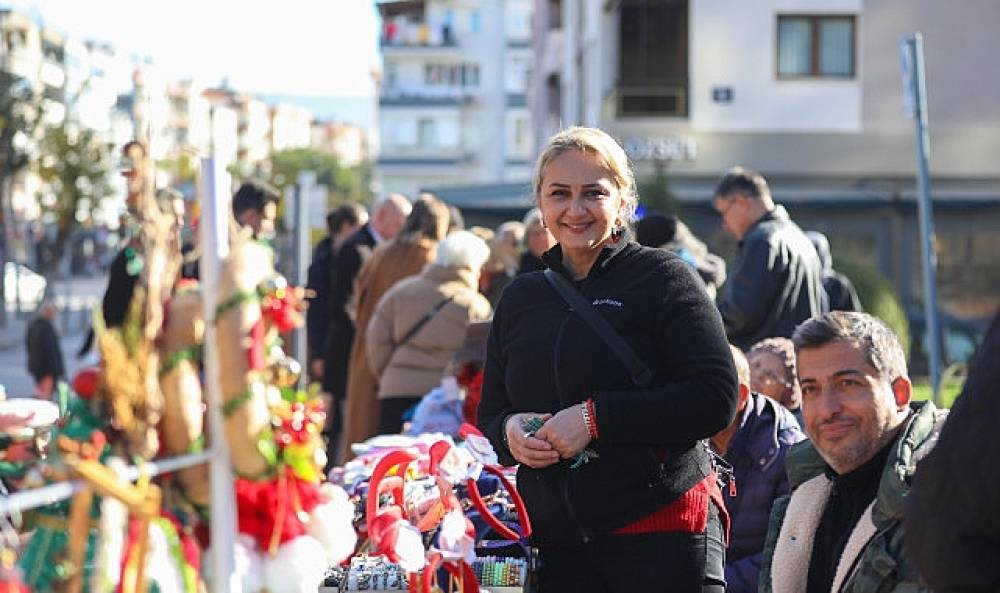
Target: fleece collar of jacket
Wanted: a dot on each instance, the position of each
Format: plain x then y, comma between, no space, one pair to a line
793,550
553,258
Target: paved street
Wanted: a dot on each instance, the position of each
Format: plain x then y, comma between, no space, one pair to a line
75,299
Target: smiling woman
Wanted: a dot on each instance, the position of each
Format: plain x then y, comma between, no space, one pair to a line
614,469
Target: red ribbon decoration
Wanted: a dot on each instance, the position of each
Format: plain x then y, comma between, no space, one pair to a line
402,459
500,528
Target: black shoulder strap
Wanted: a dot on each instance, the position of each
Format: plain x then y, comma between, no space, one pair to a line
423,321
638,372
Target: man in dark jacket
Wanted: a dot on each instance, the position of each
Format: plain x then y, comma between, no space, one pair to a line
389,216
839,289
776,281
341,223
755,445
953,527
45,359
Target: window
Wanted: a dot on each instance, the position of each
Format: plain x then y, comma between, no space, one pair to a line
653,58
426,133
816,46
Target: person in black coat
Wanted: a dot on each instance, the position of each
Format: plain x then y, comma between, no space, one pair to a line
952,518
45,359
618,480
341,223
776,281
839,289
388,218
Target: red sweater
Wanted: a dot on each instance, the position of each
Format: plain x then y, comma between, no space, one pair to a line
687,514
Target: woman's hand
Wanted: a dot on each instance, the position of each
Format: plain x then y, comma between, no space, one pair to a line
529,450
566,432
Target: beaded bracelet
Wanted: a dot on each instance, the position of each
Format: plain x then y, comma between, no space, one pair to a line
592,412
588,418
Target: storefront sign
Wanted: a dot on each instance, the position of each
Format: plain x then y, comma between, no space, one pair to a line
669,148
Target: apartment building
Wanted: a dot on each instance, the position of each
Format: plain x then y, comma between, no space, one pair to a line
453,106
808,92
347,142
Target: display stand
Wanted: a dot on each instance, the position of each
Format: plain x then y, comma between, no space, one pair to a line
215,243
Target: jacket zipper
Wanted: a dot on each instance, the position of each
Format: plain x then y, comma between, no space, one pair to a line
555,374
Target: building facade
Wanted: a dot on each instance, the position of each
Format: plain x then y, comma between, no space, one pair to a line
808,92
453,106
349,143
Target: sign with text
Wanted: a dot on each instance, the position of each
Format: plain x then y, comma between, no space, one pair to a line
668,148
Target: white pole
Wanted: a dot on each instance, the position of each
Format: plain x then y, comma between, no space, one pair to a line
306,193
214,239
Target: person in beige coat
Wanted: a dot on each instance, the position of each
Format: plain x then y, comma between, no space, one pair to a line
405,256
420,323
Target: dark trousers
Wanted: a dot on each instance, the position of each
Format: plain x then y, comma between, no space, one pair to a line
649,562
332,431
390,414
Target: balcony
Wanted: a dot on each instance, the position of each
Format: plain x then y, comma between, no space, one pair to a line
405,34
668,100
430,96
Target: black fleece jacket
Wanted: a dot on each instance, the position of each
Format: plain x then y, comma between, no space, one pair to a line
542,357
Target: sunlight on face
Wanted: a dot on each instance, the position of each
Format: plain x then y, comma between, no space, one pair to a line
579,201
850,411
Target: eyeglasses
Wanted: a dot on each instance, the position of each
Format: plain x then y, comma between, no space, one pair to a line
724,211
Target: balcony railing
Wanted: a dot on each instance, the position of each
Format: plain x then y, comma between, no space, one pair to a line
430,95
415,35
652,101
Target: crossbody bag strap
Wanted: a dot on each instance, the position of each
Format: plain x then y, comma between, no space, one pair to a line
423,321
639,373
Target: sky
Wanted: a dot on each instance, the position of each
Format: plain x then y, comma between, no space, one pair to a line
310,48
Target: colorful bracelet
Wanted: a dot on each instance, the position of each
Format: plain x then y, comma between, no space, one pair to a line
592,409
589,418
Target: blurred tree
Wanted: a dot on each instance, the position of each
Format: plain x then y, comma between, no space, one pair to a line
655,193
878,297
343,184
75,165
182,170
20,111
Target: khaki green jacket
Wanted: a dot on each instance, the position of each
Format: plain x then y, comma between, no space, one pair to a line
873,559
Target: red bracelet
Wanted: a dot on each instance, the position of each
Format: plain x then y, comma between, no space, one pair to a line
590,414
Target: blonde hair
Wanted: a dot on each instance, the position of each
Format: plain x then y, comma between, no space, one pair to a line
599,143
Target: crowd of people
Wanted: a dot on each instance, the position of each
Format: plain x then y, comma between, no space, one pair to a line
743,429
677,425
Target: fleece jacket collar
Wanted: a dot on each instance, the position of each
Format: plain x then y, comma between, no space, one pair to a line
553,258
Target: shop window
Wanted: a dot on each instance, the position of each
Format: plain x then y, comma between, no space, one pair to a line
816,46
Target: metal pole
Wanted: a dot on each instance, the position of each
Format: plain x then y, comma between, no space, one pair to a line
913,48
214,238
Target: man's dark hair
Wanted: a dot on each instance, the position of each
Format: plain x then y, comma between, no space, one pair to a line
749,184
882,348
344,214
254,195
